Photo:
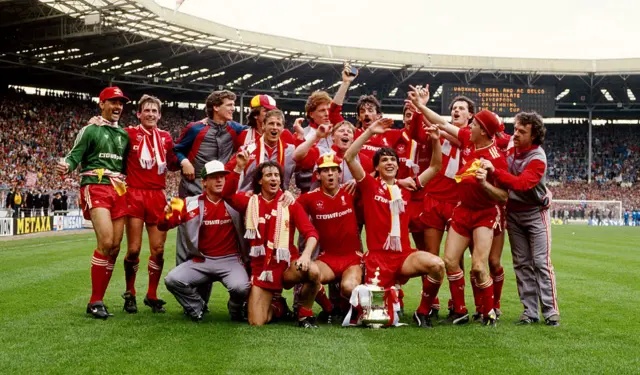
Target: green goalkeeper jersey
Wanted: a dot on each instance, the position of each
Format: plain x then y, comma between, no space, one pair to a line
99,147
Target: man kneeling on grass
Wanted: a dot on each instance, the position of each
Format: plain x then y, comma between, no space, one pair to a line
270,225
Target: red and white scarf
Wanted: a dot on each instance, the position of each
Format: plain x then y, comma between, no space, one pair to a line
278,237
150,156
261,152
396,207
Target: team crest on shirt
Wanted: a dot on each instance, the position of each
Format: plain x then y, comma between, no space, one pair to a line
320,205
139,137
385,142
344,202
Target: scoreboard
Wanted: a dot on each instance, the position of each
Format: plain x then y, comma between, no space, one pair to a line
504,100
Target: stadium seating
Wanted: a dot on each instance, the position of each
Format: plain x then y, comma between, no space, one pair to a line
35,131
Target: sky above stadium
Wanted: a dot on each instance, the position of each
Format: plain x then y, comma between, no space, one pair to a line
577,29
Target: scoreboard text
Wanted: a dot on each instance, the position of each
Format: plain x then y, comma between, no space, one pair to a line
503,100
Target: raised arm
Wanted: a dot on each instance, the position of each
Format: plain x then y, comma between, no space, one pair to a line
338,99
303,149
415,96
377,127
436,158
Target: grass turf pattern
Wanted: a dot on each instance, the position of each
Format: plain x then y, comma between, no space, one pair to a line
44,329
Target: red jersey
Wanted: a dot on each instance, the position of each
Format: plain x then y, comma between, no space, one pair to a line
298,218
217,233
472,195
138,177
377,218
443,186
335,220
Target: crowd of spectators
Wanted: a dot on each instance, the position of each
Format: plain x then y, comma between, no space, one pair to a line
37,130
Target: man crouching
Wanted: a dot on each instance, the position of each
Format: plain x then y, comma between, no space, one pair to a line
275,261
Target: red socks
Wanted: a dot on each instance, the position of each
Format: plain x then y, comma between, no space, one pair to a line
401,296
486,290
323,300
430,287
101,271
130,271
498,281
456,286
304,312
155,272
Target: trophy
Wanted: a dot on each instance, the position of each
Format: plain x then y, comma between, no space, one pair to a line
372,301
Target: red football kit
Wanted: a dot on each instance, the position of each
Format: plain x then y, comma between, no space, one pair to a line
375,197
298,219
476,208
145,194
335,220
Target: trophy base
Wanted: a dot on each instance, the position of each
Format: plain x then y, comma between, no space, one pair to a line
376,326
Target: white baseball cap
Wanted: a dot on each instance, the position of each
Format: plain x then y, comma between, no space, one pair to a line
212,167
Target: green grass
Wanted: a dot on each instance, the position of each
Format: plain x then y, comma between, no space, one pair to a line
46,284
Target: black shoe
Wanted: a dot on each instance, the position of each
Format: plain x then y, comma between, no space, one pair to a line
325,317
456,319
476,317
553,321
498,313
308,322
98,310
130,304
205,308
526,320
434,314
197,318
155,304
490,320
422,320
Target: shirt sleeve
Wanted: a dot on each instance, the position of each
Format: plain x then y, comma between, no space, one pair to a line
464,136
366,162
287,137
183,147
237,201
310,160
367,184
529,178
80,146
172,159
165,224
335,113
301,220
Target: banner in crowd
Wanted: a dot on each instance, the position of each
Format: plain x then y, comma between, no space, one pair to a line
67,222
27,225
6,227
31,179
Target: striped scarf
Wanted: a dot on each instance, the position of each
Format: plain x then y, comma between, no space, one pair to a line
147,160
396,206
277,239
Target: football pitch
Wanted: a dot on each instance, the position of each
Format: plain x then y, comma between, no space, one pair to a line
46,285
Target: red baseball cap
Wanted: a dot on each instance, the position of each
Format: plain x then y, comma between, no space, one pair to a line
328,160
112,92
263,101
489,121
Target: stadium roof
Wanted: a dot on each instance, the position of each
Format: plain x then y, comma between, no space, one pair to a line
83,45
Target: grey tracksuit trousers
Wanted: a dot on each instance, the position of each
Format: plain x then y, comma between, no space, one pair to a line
530,237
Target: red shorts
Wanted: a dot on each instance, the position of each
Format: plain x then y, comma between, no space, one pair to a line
146,204
104,196
277,270
415,210
436,213
340,263
389,262
465,220
503,222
